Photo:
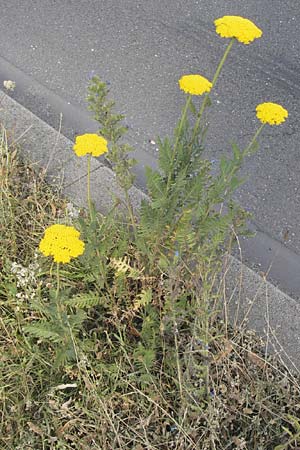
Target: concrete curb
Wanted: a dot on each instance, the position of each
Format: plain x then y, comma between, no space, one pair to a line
272,313
48,148
252,301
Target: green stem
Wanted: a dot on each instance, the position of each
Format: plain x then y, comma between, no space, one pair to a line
130,210
89,184
182,120
58,281
221,63
206,351
248,148
196,127
58,300
216,76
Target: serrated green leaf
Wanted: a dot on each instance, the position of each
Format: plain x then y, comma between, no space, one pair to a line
253,149
144,357
235,183
86,300
224,165
143,299
236,151
64,355
43,331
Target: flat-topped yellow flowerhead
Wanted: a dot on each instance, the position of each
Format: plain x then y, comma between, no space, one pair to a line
90,144
194,84
237,27
271,113
62,242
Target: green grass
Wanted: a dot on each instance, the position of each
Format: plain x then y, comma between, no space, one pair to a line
137,368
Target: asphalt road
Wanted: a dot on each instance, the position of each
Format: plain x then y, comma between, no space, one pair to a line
141,48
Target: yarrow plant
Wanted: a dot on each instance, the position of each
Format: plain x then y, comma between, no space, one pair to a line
132,323
234,27
245,31
92,145
237,27
194,84
267,113
62,242
271,113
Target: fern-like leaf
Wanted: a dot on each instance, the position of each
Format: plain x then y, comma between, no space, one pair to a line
144,358
142,299
86,300
122,267
43,331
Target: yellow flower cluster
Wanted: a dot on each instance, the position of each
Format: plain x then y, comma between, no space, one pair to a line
62,242
90,143
271,113
237,27
194,84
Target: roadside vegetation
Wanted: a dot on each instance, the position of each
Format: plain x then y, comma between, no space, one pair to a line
112,328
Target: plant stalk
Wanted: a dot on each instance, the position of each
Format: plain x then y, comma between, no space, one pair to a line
182,120
248,148
89,185
216,76
57,281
